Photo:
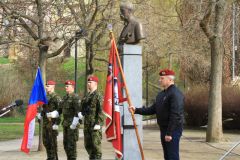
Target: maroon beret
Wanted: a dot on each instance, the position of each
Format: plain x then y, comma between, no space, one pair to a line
50,82
93,78
70,82
166,72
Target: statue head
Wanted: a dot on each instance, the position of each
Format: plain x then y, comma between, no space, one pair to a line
126,10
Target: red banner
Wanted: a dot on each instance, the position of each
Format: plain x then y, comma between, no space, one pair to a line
113,96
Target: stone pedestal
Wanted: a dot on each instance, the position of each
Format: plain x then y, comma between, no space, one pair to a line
132,66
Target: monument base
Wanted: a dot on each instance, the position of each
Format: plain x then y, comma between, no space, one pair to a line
132,66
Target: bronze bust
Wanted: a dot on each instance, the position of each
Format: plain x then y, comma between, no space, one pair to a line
132,31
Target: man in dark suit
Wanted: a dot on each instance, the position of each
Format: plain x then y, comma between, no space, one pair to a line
169,111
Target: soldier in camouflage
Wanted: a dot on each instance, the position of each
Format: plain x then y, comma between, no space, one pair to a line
93,119
50,126
69,108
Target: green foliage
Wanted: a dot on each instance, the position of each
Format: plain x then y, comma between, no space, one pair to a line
69,67
4,60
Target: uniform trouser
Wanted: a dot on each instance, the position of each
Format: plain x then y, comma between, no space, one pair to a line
171,149
92,142
50,142
70,138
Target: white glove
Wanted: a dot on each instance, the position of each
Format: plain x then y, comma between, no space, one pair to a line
55,127
53,114
96,127
74,123
80,116
39,116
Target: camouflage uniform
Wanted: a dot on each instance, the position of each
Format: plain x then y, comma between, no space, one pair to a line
92,112
70,107
50,135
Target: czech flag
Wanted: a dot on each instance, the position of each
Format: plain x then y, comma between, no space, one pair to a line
37,98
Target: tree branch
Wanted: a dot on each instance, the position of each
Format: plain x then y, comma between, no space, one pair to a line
94,14
59,51
27,28
21,20
204,24
101,60
73,13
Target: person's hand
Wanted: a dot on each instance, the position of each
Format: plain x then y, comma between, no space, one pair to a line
72,126
131,109
39,116
53,114
168,138
74,123
55,127
80,116
96,127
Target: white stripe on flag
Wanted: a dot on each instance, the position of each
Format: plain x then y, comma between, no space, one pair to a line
31,133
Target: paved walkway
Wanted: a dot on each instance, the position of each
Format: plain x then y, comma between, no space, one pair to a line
193,147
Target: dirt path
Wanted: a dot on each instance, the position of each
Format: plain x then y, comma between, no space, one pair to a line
192,147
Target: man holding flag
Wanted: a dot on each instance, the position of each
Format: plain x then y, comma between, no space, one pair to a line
170,113
38,97
50,125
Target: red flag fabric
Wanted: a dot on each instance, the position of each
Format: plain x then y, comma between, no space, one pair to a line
111,103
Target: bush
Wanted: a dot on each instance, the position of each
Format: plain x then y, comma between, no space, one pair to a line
12,86
196,103
196,107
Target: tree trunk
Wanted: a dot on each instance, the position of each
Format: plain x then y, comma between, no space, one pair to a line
42,63
214,130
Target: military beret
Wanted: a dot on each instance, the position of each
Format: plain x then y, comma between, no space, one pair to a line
50,82
93,78
166,72
70,82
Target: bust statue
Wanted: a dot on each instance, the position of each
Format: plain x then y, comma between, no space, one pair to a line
132,31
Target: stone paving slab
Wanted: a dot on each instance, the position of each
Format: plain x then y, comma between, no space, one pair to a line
193,147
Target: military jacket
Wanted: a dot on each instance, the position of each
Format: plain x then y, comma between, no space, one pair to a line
69,108
53,104
92,109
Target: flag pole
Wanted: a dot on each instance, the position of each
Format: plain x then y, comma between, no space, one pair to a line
127,93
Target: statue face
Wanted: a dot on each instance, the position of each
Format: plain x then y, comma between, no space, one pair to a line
124,14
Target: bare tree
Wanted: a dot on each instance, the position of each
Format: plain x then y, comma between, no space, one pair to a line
93,16
40,23
212,25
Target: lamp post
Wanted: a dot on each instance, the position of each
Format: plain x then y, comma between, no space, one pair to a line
234,46
75,64
79,34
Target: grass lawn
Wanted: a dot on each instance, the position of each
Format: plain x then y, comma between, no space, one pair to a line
4,60
19,119
10,131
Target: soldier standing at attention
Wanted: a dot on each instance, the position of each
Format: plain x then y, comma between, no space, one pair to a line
50,126
70,107
93,119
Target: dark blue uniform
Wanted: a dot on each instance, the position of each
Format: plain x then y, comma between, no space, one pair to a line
169,111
